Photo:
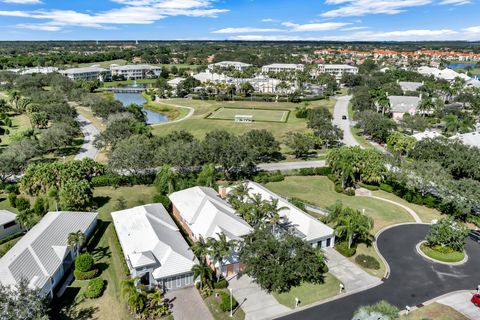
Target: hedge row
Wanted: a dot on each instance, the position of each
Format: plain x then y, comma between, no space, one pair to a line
266,177
80,275
343,248
322,171
11,237
116,181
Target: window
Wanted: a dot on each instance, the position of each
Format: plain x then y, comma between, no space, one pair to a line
329,240
179,282
168,283
9,224
319,244
188,280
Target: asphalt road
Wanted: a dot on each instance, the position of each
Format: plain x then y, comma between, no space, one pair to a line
89,131
413,279
341,109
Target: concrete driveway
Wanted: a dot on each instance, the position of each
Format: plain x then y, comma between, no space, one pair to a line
460,301
188,304
89,131
255,302
341,109
412,281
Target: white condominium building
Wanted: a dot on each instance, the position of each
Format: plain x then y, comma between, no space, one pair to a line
240,66
337,70
282,67
89,73
136,71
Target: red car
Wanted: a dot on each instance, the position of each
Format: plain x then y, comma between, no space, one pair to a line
476,300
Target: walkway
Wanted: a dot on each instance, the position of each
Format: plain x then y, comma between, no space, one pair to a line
188,304
351,275
460,301
361,192
283,166
88,150
190,112
413,280
255,302
341,109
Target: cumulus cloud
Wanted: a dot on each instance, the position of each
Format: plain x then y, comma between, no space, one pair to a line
325,26
130,12
22,1
455,2
350,8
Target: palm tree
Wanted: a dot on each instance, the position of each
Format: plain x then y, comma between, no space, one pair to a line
156,298
204,272
200,249
236,197
452,124
219,249
273,213
14,98
76,240
353,225
426,105
4,107
135,299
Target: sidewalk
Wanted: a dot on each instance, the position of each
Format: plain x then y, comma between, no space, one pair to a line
460,301
351,275
255,302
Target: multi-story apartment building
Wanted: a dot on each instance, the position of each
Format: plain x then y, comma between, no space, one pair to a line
135,71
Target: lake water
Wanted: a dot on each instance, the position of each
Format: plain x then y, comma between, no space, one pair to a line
129,98
460,65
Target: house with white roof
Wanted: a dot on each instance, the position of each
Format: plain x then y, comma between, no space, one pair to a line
153,247
471,139
301,223
409,85
427,134
399,105
337,70
240,66
282,67
94,72
203,213
8,224
135,71
42,256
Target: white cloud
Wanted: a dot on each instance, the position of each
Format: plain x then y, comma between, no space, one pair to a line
245,30
22,1
475,29
269,20
362,7
252,37
455,2
355,28
131,12
325,26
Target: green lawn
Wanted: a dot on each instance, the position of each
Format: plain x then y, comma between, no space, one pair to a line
434,311
199,126
320,191
213,304
170,111
107,255
356,132
426,214
440,256
103,64
20,122
309,293
4,247
225,113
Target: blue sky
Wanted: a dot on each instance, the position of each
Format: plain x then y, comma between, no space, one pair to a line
240,19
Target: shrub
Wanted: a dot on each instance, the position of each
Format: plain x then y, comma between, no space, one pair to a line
84,262
225,302
12,199
380,310
80,275
338,188
368,262
298,203
265,177
349,192
368,186
12,188
163,199
221,284
94,288
22,204
321,171
343,248
116,181
386,187
206,291
430,201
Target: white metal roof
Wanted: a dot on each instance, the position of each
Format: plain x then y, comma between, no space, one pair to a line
427,134
284,65
93,68
6,217
149,236
471,139
207,214
40,252
307,225
402,104
134,67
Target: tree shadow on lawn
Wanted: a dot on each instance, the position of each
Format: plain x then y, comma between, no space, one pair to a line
100,201
66,307
98,234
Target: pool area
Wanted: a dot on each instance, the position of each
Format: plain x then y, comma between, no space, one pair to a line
129,98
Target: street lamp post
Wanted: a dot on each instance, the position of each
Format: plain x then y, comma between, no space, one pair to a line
231,302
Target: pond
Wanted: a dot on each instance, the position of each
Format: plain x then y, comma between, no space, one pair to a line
129,98
460,65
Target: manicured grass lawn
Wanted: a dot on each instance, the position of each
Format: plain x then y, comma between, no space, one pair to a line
258,115
110,305
440,256
320,191
425,213
19,123
309,293
170,111
434,311
213,304
5,205
4,247
199,126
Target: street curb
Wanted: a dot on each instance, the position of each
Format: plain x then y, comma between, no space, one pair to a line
459,263
428,302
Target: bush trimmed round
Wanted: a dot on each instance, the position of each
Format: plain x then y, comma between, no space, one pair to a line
368,262
221,284
84,262
94,288
343,248
79,275
225,302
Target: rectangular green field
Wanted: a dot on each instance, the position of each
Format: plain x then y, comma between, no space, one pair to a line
259,115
